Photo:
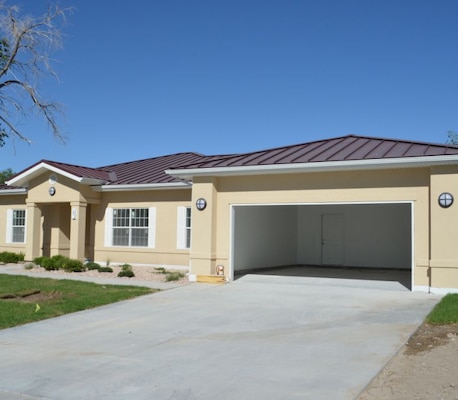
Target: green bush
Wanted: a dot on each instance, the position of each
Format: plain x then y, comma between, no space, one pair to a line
105,269
60,262
92,265
71,265
10,257
38,261
174,276
160,270
126,271
49,264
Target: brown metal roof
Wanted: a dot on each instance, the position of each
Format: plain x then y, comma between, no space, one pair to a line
150,170
343,148
79,171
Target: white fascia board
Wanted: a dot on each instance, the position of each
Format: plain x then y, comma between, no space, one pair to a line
137,187
26,176
317,166
9,192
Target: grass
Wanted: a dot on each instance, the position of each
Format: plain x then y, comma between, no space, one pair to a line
445,312
55,298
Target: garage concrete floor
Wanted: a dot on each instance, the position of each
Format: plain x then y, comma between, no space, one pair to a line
261,337
402,276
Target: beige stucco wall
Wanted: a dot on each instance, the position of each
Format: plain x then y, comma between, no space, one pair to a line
165,251
14,202
444,228
398,185
51,228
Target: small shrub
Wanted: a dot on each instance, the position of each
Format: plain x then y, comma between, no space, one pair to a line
10,257
126,271
174,276
160,270
38,261
92,265
49,264
105,269
70,265
60,262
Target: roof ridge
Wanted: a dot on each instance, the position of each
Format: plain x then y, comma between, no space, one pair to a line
67,164
153,158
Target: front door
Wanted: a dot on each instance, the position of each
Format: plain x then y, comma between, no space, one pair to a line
332,239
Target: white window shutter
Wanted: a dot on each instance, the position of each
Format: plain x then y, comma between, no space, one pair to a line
25,227
9,226
108,227
181,228
152,227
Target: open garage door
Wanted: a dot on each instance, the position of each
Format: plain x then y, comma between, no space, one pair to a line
348,240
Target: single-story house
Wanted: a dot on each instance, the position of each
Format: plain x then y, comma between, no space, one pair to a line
349,201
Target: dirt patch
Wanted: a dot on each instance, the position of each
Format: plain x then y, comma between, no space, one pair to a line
424,369
32,296
429,336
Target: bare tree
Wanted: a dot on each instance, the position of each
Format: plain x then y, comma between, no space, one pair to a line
26,44
452,137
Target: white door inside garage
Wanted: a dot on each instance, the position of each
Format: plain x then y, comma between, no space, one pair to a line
369,235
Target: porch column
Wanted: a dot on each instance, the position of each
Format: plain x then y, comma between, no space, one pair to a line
77,230
203,251
33,232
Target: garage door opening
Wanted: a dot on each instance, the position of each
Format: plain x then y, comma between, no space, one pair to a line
350,241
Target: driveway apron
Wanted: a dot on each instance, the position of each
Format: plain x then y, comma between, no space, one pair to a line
261,337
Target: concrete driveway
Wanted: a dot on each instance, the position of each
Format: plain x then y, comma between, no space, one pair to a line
261,337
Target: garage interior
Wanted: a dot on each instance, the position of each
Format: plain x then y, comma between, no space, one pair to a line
371,241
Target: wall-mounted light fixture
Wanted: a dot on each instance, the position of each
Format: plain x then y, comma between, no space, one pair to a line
201,204
445,200
52,191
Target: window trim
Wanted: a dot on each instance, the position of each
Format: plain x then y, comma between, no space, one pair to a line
10,226
182,228
151,227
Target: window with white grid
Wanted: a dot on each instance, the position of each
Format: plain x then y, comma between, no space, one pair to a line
130,227
15,226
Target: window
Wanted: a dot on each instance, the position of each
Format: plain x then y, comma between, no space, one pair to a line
132,227
184,228
15,226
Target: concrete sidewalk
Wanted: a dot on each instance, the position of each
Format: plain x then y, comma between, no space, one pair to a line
261,337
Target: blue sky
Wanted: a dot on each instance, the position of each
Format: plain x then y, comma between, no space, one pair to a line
145,78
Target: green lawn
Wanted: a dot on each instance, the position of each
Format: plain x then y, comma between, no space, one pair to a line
24,299
445,312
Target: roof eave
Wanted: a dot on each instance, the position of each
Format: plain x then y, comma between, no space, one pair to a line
141,187
10,192
25,177
348,165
